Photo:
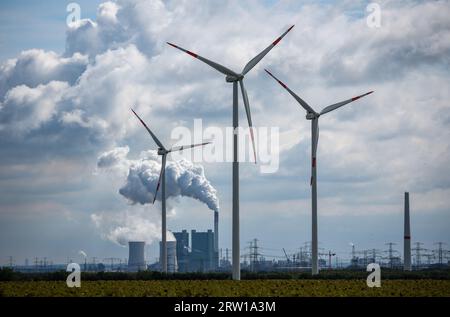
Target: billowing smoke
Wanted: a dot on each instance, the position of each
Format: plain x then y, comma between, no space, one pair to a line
135,225
183,178
140,177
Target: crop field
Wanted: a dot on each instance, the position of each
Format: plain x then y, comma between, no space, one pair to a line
221,288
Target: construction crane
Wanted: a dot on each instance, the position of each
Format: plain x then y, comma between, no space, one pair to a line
287,257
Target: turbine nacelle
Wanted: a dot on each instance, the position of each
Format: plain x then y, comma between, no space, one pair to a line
162,151
232,79
311,116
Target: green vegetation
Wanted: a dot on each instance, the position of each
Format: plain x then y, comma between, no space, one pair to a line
146,283
263,288
9,275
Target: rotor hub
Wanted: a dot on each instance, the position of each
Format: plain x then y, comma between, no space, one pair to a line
232,79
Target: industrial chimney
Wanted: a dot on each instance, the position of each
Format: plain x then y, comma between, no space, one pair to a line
216,237
407,237
136,259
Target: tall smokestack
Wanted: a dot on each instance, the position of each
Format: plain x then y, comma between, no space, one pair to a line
216,236
407,237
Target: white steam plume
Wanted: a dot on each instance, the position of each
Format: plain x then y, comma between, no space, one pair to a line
136,225
183,178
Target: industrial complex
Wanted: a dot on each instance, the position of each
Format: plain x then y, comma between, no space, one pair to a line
197,251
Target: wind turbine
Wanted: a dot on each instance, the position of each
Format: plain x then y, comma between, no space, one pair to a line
162,179
314,117
234,77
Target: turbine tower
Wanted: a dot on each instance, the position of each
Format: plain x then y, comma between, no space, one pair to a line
407,237
162,179
235,78
314,117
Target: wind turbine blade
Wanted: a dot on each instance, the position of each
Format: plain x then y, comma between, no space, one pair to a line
249,116
184,147
260,56
149,131
342,103
163,168
214,65
299,100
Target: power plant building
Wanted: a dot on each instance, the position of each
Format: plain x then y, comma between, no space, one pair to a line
201,256
182,250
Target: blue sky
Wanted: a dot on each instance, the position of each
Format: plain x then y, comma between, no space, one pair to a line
65,96
30,24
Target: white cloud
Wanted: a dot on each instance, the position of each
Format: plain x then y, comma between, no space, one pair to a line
37,67
77,104
26,109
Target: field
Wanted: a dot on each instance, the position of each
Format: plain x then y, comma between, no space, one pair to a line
220,288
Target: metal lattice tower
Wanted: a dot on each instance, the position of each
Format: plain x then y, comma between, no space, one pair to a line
391,253
440,252
112,261
253,254
418,253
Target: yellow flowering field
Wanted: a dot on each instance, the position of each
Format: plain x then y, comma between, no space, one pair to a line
259,288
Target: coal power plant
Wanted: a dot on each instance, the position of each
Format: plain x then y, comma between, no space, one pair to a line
192,253
199,251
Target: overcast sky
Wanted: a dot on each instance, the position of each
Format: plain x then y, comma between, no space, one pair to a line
65,95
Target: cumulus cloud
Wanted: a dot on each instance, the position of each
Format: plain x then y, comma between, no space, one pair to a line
26,109
405,42
120,60
94,37
114,158
37,67
76,104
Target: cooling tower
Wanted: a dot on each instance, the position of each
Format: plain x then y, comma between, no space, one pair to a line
407,237
136,258
172,263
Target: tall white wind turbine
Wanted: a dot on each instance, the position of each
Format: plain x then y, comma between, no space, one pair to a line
162,180
235,78
314,117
